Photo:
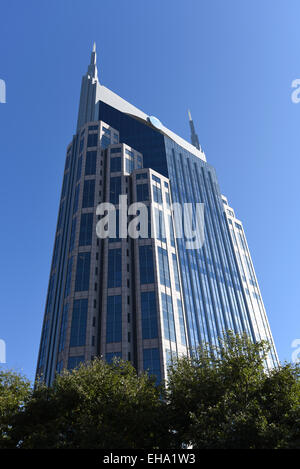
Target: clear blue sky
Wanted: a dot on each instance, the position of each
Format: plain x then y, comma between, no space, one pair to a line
231,62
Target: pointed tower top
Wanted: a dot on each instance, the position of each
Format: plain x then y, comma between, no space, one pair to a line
94,47
194,136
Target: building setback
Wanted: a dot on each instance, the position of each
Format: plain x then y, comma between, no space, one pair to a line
144,299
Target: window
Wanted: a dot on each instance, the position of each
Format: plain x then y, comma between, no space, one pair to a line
141,176
114,319
105,141
168,317
115,189
149,315
115,164
160,231
92,140
90,163
72,237
79,165
176,273
164,272
68,277
65,183
155,178
114,268
128,152
129,165
60,216
74,362
151,362
142,192
76,199
93,127
63,328
157,197
146,264
88,198
86,229
78,326
115,150
83,271
181,322
81,145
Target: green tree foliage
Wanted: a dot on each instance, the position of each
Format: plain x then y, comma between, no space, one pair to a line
14,394
225,398
96,406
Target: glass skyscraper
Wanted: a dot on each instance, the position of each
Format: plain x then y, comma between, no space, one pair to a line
150,298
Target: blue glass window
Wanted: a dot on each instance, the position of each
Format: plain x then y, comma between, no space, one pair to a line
115,164
141,176
92,140
115,150
81,145
114,268
72,237
176,274
105,141
151,362
83,271
149,315
160,231
115,189
90,163
164,271
79,165
63,328
146,264
157,197
86,229
93,127
68,277
168,317
142,192
129,165
88,193
181,322
114,319
78,326
76,199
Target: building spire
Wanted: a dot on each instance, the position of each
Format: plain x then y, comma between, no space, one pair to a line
89,95
194,136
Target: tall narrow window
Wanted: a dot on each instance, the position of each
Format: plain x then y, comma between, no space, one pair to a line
88,193
146,264
149,315
78,326
114,319
86,229
114,268
83,271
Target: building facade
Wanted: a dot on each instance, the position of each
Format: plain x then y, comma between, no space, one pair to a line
150,297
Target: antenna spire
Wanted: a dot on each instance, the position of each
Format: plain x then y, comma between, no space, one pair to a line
194,136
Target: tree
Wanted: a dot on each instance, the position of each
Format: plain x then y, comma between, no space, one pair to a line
225,398
95,406
14,393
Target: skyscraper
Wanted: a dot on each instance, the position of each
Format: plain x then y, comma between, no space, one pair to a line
148,298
